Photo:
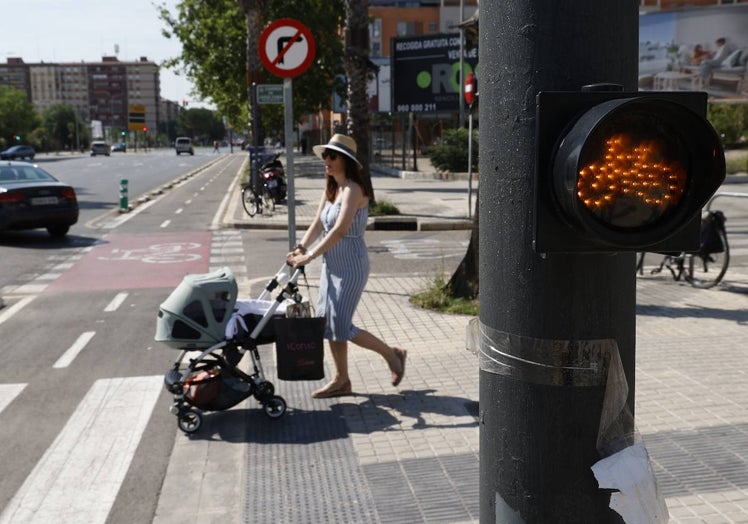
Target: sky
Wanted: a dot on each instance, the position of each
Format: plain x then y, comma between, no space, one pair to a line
87,30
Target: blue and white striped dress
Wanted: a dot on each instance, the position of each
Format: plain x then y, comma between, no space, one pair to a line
345,270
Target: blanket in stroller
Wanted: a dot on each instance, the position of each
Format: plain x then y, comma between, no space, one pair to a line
247,314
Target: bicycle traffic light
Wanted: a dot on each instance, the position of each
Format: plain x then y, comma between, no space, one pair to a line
620,171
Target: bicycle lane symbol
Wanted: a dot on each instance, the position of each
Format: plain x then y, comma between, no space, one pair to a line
132,261
167,253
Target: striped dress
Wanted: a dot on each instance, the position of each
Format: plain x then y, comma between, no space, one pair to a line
345,270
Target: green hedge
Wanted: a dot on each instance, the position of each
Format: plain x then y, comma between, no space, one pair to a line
452,154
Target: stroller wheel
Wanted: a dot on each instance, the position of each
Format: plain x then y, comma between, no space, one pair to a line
265,390
189,421
275,407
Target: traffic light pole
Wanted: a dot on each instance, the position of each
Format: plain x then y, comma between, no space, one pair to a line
552,327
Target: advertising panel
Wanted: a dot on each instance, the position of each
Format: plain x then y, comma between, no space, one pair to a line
703,49
426,73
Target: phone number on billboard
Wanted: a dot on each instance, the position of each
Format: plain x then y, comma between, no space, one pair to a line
407,108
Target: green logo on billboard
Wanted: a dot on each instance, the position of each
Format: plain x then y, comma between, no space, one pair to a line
423,79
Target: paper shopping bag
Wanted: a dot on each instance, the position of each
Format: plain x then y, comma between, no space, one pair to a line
299,348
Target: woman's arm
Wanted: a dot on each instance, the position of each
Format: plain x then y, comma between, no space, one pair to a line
352,199
313,231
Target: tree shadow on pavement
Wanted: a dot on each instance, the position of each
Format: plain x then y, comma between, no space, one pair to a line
339,419
694,311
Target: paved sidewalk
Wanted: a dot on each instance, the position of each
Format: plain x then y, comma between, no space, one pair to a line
410,454
425,201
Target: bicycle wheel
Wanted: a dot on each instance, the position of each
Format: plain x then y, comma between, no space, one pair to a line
250,201
707,270
268,202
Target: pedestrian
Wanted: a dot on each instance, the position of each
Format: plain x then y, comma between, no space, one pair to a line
341,223
215,147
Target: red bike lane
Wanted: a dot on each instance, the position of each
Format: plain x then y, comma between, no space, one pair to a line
137,261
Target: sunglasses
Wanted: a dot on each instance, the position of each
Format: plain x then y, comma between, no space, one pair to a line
332,155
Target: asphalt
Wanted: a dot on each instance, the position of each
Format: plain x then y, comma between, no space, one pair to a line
410,454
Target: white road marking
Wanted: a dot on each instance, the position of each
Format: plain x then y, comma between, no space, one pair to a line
425,248
72,352
165,223
8,392
116,302
78,477
15,308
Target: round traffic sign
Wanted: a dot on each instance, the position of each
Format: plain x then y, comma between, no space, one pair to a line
287,47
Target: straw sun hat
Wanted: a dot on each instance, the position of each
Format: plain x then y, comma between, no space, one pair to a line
341,143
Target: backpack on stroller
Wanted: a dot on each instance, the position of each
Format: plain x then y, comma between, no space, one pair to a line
203,314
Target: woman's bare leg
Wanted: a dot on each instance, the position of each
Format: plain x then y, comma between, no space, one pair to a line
395,357
341,382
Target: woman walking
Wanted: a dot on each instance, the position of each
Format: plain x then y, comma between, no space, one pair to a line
341,222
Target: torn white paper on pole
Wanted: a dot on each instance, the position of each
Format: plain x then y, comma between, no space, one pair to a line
638,499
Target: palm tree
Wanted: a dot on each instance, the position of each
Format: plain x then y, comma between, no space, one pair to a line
255,12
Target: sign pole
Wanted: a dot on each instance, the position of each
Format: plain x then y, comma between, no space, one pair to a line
470,161
287,49
288,123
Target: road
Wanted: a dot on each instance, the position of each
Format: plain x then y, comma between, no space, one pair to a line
86,427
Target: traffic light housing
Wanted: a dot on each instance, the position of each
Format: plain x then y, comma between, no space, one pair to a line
620,171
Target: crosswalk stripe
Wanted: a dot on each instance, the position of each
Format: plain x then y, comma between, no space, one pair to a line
8,392
78,477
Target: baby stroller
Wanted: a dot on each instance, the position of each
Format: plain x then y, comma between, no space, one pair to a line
203,314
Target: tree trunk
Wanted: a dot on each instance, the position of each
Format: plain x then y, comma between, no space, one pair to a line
464,281
356,69
255,13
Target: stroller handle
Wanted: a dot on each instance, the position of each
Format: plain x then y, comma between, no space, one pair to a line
281,277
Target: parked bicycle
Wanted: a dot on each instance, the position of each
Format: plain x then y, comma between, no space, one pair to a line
706,267
255,203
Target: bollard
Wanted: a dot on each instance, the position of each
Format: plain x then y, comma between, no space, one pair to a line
123,204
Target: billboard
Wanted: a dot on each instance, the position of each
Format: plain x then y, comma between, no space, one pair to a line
426,73
668,45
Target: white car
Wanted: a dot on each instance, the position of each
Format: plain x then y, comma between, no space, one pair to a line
183,144
100,148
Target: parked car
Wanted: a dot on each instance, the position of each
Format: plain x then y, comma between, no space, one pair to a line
16,152
99,147
184,145
120,147
31,198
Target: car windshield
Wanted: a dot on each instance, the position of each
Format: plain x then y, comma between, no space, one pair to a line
24,174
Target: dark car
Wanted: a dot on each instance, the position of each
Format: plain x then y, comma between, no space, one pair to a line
119,147
31,198
16,152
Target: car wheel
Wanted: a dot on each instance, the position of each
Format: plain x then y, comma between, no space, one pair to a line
58,231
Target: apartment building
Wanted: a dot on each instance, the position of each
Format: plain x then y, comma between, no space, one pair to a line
102,91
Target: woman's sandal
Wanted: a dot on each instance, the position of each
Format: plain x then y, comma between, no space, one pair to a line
401,354
334,391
